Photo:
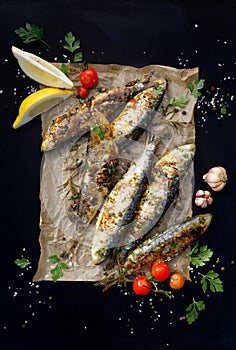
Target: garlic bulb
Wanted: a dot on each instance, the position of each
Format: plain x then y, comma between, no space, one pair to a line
203,198
216,178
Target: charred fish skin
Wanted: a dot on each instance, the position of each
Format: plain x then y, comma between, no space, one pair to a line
92,192
120,205
166,176
138,111
79,119
167,245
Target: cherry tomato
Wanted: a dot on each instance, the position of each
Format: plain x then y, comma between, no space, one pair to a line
89,78
141,286
82,91
160,271
177,281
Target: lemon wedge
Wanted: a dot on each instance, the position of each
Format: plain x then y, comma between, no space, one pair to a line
41,71
39,102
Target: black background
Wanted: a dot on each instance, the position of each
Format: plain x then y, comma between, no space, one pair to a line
71,315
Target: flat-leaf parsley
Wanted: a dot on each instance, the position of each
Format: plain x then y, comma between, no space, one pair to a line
31,32
57,271
192,310
72,45
195,87
212,280
200,255
22,263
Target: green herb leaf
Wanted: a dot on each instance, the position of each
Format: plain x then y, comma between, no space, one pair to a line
192,310
99,131
54,259
57,271
77,57
212,280
33,32
22,263
65,69
157,90
195,87
223,110
180,102
200,255
72,45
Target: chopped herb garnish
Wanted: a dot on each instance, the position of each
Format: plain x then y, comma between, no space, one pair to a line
157,90
99,131
212,279
195,87
33,32
223,110
192,310
199,255
57,271
180,102
65,69
72,45
22,263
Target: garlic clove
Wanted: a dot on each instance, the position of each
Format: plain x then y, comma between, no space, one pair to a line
200,193
201,202
216,178
203,198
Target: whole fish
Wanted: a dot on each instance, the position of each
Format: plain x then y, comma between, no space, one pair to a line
161,247
102,150
167,245
119,206
138,111
78,120
164,183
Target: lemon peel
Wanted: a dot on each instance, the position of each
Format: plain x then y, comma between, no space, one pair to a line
41,71
38,102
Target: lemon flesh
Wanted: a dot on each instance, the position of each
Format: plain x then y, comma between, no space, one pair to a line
39,102
41,71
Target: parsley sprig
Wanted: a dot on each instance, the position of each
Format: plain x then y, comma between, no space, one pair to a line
99,131
57,271
22,262
65,69
31,32
195,87
72,45
200,255
192,310
212,280
180,102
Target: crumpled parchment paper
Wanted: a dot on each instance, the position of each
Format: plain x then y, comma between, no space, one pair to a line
57,230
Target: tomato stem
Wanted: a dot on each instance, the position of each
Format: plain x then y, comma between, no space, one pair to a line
158,290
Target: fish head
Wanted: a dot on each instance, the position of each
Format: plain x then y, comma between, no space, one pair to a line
205,220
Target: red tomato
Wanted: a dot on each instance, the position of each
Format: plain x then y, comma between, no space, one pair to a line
89,78
141,286
160,271
177,281
82,91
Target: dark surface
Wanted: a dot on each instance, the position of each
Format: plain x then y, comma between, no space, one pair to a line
138,33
